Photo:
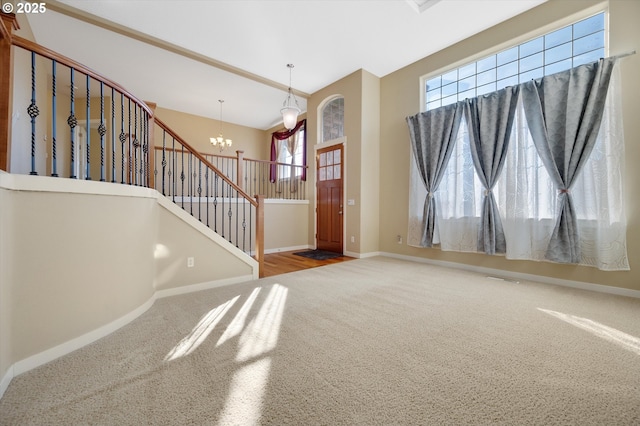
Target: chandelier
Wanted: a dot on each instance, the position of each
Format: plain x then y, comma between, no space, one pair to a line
220,141
290,110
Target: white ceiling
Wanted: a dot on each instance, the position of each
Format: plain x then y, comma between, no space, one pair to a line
251,41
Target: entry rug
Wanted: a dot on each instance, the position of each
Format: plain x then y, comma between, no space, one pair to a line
318,254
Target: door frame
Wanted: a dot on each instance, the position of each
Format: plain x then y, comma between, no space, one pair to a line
340,141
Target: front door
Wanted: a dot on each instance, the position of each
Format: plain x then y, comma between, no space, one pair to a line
330,169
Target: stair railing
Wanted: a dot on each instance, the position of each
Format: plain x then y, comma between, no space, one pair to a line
82,125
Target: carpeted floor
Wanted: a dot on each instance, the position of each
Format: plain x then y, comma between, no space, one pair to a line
366,342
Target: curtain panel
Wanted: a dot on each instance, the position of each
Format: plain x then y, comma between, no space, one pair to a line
527,197
292,141
490,119
432,138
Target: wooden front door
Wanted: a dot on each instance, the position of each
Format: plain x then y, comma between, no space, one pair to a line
330,169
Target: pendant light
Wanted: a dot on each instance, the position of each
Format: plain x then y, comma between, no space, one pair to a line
220,141
290,110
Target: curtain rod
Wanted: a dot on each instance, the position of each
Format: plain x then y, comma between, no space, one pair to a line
622,55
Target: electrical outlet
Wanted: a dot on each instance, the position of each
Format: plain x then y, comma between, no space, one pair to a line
353,239
190,262
399,239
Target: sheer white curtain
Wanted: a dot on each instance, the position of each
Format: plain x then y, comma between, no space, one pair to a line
526,196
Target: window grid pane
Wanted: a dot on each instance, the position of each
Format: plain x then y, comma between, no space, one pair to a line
570,46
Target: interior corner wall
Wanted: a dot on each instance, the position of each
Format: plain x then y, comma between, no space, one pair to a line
400,97
350,87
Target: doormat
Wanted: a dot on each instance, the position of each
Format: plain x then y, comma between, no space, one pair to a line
318,254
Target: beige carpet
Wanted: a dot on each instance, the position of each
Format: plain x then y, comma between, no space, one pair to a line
367,342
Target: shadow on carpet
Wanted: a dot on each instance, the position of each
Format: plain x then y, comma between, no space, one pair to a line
318,254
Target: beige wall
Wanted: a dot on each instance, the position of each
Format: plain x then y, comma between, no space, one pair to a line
6,301
400,97
197,130
77,256
285,227
84,272
176,241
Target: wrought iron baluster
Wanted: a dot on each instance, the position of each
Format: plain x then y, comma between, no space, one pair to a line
145,148
113,135
129,145
244,225
33,113
237,217
88,127
215,202
123,138
102,130
182,177
199,190
174,161
206,185
72,121
135,144
54,148
164,158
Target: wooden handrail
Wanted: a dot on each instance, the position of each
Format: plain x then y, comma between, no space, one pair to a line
233,158
47,53
205,161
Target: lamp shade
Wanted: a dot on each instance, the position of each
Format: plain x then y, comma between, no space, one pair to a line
290,116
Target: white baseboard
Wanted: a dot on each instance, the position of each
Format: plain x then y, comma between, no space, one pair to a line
292,248
80,341
51,354
175,291
619,291
4,383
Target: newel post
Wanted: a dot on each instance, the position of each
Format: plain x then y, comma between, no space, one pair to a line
260,234
8,24
240,174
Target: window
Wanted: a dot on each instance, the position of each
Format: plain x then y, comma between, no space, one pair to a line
285,155
568,47
525,195
333,120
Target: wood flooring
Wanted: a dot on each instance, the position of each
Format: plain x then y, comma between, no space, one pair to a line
284,262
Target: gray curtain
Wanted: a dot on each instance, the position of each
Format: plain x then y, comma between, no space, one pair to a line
490,118
433,134
564,112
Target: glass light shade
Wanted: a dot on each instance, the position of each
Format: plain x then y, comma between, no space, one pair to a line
290,116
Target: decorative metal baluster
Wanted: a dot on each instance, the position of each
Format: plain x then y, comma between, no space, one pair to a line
129,171
54,148
199,190
222,182
136,144
123,138
172,171
191,178
164,158
102,130
33,113
230,212
88,165
206,185
237,217
182,176
72,121
113,135
215,202
145,149
244,225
